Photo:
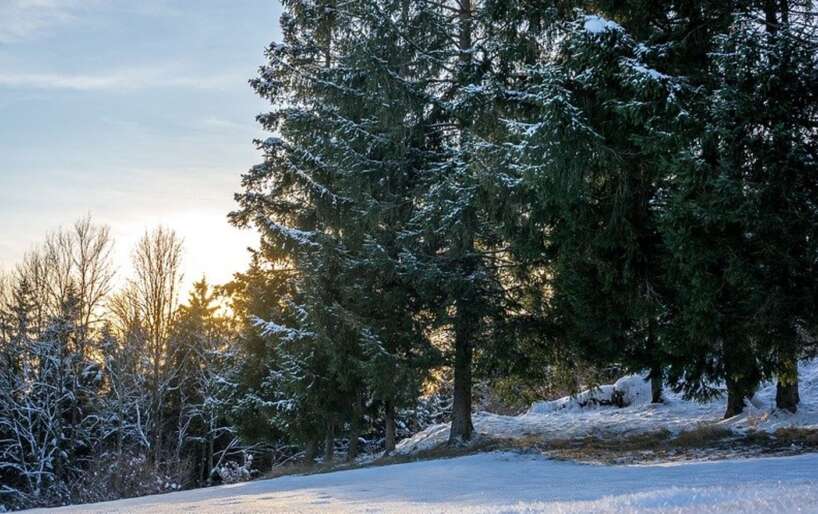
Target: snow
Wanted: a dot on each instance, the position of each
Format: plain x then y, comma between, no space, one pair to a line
635,390
299,237
287,334
597,25
650,72
520,482
509,482
586,415
585,400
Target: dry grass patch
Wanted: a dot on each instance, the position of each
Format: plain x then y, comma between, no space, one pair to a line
804,436
702,436
706,442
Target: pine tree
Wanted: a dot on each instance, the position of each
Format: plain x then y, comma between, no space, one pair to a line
298,210
785,177
382,160
256,294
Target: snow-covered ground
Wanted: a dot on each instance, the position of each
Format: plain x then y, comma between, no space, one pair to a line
509,482
517,482
580,416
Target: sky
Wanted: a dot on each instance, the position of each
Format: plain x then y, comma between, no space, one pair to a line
135,112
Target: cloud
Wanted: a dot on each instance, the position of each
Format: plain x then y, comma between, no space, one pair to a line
21,19
118,80
213,123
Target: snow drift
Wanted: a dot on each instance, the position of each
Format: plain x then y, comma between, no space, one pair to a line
595,413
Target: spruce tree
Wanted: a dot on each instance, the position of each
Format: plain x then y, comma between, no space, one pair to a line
342,154
587,137
455,245
740,223
201,389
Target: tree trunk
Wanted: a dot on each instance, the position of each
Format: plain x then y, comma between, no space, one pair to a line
120,433
157,414
352,453
657,376
389,441
157,455
786,390
656,383
210,457
461,408
736,394
771,16
465,322
787,397
310,452
329,445
202,475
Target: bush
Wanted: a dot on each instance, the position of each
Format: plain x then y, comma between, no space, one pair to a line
111,477
232,472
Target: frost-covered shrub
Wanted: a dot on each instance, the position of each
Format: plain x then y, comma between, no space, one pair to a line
429,410
131,475
232,472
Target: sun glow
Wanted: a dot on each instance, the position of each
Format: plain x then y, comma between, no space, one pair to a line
211,246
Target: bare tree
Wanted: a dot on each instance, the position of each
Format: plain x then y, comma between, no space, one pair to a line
91,259
6,320
157,262
77,259
124,310
127,362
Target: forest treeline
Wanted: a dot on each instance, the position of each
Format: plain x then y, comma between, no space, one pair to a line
108,392
453,192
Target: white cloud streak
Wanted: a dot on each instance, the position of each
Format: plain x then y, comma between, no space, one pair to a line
118,80
21,19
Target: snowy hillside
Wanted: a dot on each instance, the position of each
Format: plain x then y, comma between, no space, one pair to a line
507,482
582,415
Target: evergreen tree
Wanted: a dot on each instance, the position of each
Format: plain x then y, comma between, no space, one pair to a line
291,197
255,294
454,246
200,389
347,152
382,154
587,134
740,223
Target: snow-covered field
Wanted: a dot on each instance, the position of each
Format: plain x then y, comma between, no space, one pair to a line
509,482
574,417
516,482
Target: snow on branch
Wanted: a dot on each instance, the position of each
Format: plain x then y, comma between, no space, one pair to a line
287,334
598,25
